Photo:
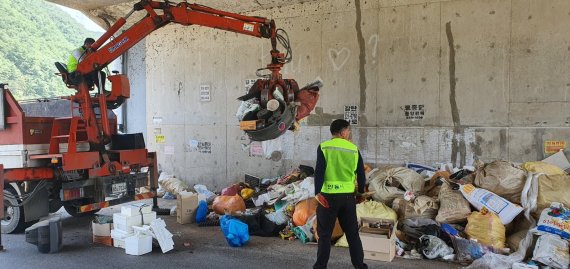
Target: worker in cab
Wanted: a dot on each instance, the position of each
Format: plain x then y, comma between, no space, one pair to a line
339,165
94,78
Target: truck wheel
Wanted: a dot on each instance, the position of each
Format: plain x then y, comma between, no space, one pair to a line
14,220
73,210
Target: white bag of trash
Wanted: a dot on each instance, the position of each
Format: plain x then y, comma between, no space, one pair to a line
173,185
503,178
480,198
555,220
551,250
392,183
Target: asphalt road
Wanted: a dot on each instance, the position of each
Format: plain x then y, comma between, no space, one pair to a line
205,248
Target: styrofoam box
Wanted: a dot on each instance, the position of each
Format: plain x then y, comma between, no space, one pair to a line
126,223
119,234
119,238
138,245
118,243
136,209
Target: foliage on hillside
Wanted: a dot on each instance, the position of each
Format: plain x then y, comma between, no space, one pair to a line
33,35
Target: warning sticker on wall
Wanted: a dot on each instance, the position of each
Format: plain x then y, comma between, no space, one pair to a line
159,139
553,146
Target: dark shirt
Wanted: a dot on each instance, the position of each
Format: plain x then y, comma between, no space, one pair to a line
322,165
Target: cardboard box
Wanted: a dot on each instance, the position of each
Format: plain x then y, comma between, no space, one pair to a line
378,242
103,240
186,205
102,229
249,125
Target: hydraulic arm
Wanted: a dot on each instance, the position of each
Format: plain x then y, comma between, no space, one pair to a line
159,14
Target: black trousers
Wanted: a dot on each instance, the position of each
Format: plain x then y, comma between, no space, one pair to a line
342,206
92,79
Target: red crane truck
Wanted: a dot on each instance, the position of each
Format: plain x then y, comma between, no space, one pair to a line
80,162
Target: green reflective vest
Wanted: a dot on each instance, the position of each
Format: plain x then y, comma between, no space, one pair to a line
341,157
74,59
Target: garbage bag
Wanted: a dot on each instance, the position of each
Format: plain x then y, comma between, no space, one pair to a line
173,185
392,183
202,211
433,247
229,204
555,220
433,187
300,190
421,207
413,229
305,232
486,227
304,210
453,207
336,234
551,250
370,209
235,231
542,167
480,198
552,189
203,190
231,190
502,178
246,193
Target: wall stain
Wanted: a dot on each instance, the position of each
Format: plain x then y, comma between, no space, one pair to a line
458,141
503,144
362,56
539,140
476,146
322,119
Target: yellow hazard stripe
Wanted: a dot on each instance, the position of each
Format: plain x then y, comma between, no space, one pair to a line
91,207
143,196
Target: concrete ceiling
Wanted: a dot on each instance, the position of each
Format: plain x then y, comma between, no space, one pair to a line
108,11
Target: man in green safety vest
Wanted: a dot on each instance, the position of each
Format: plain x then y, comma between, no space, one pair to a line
76,57
339,164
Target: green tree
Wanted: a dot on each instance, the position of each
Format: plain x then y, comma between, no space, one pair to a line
35,34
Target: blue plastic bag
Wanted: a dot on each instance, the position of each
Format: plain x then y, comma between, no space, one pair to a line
235,231
201,212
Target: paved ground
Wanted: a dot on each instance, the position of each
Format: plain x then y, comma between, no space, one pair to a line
208,249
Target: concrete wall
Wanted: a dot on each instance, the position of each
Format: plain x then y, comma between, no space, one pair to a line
134,109
478,79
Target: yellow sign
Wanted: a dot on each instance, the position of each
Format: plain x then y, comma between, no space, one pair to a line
552,146
159,139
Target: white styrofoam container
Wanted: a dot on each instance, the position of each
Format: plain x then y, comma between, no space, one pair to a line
119,237
126,223
119,243
133,209
138,244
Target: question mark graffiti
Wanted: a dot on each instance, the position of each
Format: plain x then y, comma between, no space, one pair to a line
374,39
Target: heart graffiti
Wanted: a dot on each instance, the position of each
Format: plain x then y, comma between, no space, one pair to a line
339,56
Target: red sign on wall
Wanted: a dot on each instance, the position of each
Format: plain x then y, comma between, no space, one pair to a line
553,146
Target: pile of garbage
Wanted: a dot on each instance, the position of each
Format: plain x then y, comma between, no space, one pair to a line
492,215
